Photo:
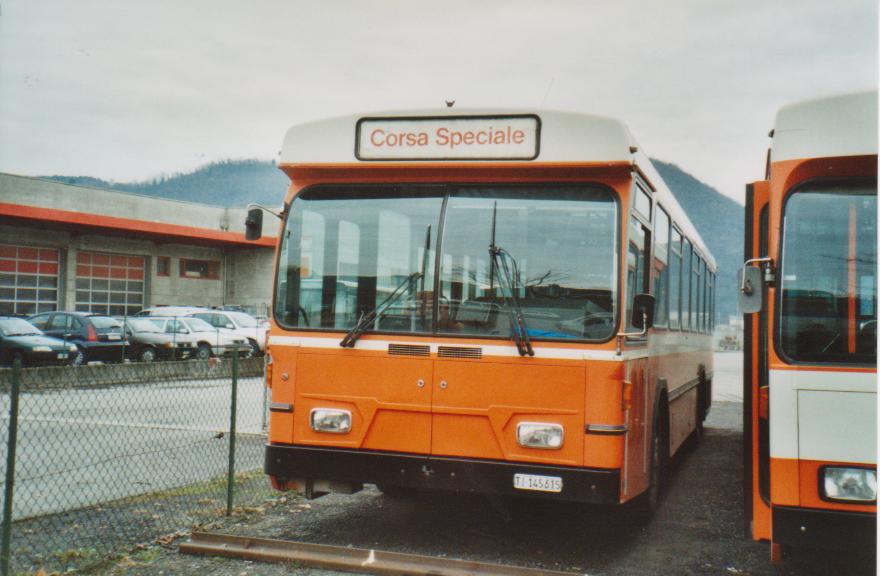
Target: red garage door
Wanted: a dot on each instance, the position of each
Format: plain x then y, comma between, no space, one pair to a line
28,279
109,283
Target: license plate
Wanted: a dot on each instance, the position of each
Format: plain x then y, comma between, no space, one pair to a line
538,483
113,336
62,355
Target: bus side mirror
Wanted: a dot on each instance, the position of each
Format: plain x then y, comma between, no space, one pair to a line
751,289
643,311
253,224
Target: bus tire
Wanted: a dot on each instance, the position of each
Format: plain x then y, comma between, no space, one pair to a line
700,410
648,503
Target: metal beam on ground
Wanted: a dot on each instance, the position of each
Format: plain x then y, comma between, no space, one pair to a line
347,559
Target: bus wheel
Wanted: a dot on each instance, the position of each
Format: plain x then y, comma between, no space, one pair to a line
648,503
700,415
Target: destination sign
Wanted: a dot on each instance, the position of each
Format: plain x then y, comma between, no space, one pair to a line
449,138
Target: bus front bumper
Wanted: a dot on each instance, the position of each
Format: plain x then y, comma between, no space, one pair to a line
830,529
286,463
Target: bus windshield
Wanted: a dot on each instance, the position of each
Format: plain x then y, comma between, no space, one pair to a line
829,275
346,249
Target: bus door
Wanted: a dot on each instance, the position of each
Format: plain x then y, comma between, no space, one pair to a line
756,425
638,372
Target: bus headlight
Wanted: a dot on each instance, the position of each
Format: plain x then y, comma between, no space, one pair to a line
330,420
849,484
539,435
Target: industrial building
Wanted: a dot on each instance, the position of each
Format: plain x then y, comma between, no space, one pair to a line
79,248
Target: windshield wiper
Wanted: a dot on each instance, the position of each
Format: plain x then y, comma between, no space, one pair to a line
498,260
518,329
370,317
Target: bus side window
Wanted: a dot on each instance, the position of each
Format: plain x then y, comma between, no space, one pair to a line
697,320
675,280
686,285
661,268
637,269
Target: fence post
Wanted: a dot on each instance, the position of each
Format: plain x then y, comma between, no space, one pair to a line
230,478
264,406
6,536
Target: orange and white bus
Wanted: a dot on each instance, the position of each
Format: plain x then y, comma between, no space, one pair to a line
810,298
483,301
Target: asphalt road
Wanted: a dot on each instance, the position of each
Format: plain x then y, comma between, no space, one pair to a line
79,447
727,381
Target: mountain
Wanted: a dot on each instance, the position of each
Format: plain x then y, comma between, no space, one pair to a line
718,219
223,183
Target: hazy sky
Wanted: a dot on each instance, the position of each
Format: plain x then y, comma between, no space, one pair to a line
125,89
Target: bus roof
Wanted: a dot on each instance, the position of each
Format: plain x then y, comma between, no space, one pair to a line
563,137
843,125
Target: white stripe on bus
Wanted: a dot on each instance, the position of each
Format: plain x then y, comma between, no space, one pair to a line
488,350
823,416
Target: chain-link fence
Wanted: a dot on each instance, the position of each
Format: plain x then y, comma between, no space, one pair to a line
108,456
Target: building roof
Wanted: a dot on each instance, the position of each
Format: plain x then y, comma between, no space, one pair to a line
28,201
843,125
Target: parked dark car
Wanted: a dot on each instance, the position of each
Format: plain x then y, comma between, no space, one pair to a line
97,337
21,339
147,342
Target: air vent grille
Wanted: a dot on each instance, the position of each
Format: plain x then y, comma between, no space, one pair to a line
409,350
459,352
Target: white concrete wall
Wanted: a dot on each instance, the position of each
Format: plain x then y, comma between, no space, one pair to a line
250,275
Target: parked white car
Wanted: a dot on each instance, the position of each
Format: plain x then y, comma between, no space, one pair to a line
239,323
210,341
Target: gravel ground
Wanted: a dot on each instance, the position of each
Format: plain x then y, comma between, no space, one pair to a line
698,530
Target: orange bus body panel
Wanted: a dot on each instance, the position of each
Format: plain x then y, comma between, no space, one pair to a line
761,513
784,177
603,404
470,409
793,482
476,413
809,496
390,411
